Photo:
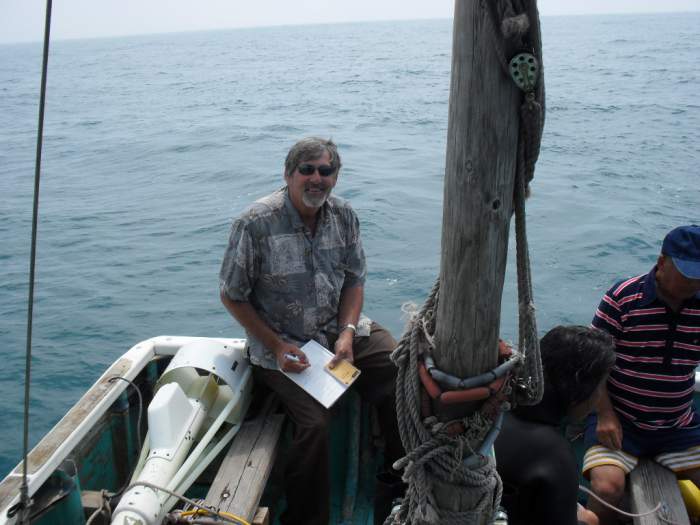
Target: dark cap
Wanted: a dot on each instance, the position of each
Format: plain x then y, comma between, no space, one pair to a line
682,244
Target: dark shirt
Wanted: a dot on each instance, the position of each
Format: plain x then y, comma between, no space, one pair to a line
537,466
653,380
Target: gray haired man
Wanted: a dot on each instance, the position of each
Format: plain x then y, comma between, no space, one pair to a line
294,270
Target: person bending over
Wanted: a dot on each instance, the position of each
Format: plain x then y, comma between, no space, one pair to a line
534,459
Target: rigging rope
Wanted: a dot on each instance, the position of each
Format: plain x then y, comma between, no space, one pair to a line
436,454
433,455
24,490
531,126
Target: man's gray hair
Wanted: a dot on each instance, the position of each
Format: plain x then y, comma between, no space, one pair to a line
311,148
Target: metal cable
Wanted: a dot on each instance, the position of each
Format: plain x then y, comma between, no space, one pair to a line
24,490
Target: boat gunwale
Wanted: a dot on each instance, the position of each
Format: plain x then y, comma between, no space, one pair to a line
56,445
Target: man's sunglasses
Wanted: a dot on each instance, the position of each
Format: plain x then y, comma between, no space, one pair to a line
324,170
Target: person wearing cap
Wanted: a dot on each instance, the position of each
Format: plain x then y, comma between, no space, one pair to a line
647,407
294,271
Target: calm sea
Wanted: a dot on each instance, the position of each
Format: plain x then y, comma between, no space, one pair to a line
153,143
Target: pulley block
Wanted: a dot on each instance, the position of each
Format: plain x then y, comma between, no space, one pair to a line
525,70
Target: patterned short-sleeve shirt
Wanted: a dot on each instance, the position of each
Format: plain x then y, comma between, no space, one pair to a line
291,278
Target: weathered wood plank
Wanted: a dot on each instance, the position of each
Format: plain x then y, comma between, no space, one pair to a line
262,516
246,467
651,483
61,433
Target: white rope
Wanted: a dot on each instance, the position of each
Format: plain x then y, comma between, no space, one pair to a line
658,509
104,509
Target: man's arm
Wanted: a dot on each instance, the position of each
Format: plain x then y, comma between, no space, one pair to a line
608,317
608,428
348,313
246,315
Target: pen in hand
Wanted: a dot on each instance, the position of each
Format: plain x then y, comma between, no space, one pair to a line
293,360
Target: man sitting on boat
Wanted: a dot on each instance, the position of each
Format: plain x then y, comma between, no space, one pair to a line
647,408
541,486
294,271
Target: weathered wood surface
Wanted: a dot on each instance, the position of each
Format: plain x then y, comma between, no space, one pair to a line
63,431
262,516
651,483
93,500
241,479
482,143
480,167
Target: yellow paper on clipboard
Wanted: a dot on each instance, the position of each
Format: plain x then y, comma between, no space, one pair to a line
344,372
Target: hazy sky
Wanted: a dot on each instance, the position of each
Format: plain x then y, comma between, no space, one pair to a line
22,20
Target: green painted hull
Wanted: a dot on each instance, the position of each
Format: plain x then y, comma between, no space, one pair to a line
106,457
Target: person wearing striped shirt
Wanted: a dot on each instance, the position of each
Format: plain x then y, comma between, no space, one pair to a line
647,409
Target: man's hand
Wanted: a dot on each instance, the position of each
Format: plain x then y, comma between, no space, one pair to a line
252,322
609,431
342,348
290,358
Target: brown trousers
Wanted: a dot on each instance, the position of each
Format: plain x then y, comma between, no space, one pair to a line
307,475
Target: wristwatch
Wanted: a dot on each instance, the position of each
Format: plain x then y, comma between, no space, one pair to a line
349,326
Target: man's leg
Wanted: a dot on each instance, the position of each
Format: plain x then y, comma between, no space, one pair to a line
685,463
607,482
680,450
376,384
307,474
607,470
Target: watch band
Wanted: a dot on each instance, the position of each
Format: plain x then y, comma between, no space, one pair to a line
349,326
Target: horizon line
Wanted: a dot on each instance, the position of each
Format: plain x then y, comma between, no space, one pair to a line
308,24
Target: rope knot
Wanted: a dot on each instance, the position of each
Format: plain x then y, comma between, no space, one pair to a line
515,26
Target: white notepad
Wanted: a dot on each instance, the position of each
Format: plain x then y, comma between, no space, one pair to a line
322,384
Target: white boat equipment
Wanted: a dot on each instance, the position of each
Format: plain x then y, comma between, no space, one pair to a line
201,398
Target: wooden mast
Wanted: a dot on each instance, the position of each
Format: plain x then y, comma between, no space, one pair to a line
482,140
480,172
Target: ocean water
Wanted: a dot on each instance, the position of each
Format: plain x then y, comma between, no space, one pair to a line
153,143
